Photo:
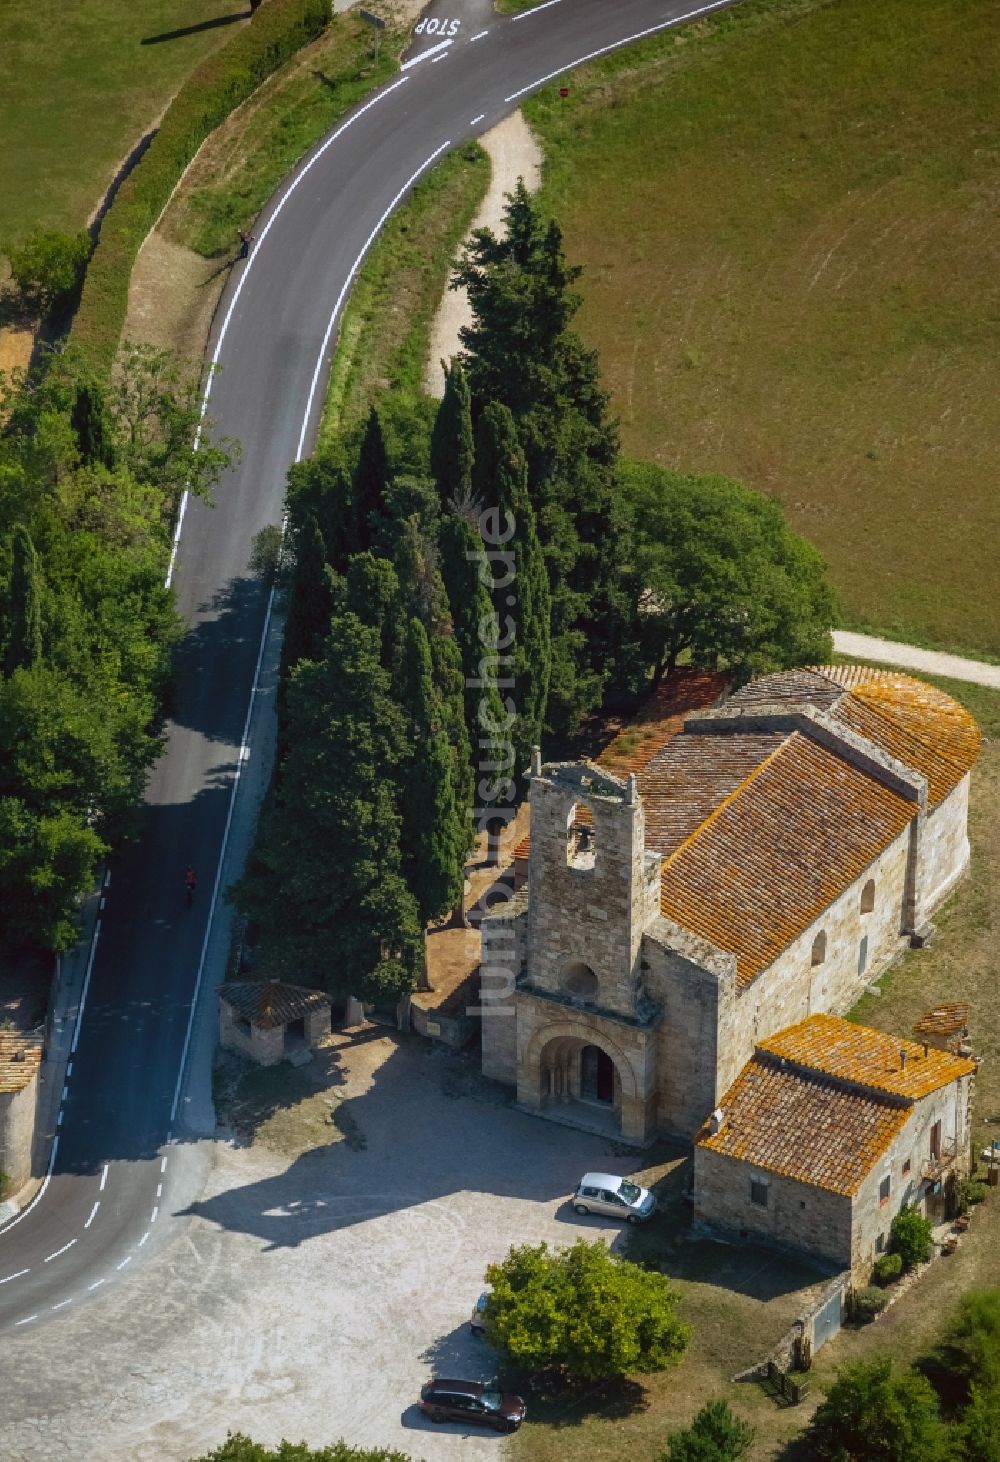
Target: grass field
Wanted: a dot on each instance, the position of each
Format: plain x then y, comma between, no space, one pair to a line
78,88
787,217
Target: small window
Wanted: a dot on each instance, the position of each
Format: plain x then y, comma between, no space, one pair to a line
884,1189
802,1204
868,897
880,1244
758,1191
580,840
863,955
819,948
936,1141
906,1167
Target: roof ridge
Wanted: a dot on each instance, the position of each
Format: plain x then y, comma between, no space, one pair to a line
877,709
727,801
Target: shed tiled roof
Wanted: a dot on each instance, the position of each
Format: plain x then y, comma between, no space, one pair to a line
660,719
270,1003
684,784
867,1057
20,1058
797,1124
944,1020
778,851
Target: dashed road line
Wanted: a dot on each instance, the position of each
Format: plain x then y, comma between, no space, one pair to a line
431,50
86,987
439,58
96,1284
62,1304
535,9
27,1320
159,1190
93,1214
14,1276
104,1178
126,1260
143,1239
60,1251
163,1165
478,36
156,1209
477,119
65,1093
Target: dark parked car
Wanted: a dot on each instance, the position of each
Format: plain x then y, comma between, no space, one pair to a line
475,1402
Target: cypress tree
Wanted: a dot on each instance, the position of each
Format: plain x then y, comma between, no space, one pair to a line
371,477
311,600
522,606
321,487
90,423
24,605
452,450
433,836
373,594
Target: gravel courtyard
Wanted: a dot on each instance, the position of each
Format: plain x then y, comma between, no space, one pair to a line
310,1296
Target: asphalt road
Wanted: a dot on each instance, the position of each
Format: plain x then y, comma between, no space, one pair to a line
127,1162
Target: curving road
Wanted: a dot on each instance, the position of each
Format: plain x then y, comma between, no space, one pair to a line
127,1160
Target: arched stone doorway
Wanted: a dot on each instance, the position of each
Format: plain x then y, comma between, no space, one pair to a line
582,1082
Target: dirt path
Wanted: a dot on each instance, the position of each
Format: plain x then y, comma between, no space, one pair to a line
514,153
911,657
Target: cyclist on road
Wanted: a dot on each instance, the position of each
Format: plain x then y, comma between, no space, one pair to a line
190,884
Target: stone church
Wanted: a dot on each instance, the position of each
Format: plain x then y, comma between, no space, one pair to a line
727,869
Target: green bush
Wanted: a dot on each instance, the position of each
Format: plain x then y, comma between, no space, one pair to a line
888,1268
910,1237
48,266
869,1302
715,1435
972,1191
870,1413
277,31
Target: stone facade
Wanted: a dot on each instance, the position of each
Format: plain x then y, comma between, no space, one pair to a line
268,1021
20,1061
599,1007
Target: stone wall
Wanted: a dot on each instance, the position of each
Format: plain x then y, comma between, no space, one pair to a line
266,1047
944,847
504,951
693,1001
798,1217
17,1132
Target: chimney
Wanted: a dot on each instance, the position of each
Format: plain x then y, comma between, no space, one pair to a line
716,1121
902,1059
536,761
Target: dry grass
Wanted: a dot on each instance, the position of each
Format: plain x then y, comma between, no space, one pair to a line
787,217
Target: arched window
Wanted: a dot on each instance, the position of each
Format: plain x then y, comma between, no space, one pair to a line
868,897
581,843
579,981
819,948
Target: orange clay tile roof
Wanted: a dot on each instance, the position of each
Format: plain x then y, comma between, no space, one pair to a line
799,1125
869,1058
943,1020
778,851
20,1058
270,1003
684,784
661,717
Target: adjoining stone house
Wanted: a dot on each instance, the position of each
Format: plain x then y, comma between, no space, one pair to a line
269,1020
20,1061
828,1131
725,875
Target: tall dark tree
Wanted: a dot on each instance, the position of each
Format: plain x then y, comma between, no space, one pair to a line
326,883
310,602
90,422
433,831
521,352
452,449
521,597
321,488
371,477
23,628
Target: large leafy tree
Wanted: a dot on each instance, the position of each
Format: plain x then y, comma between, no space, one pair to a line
721,578
23,616
521,352
582,1314
871,1413
325,884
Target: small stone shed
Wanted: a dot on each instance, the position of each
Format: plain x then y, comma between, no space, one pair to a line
828,1131
20,1060
269,1020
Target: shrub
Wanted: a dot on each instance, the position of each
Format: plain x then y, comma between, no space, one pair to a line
969,1354
910,1237
48,267
869,1302
888,1268
276,32
582,1313
972,1191
715,1435
870,1413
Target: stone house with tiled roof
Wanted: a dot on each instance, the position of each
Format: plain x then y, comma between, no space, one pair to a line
828,1131
20,1063
268,1020
737,869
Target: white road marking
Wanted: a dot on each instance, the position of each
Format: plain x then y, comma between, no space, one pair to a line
107,879
535,9
15,1276
125,1261
86,987
159,1190
437,59
62,1304
59,1118
60,1251
163,1165
478,36
38,1196
239,290
441,46
156,1209
96,1284
27,1320
104,1178
69,1069
103,902
143,1239
625,40
93,1214
65,1093
477,119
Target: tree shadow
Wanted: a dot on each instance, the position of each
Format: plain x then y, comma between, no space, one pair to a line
191,30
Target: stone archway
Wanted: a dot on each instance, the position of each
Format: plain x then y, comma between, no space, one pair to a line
577,1074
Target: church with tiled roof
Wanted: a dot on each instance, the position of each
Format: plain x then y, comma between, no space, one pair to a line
728,868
